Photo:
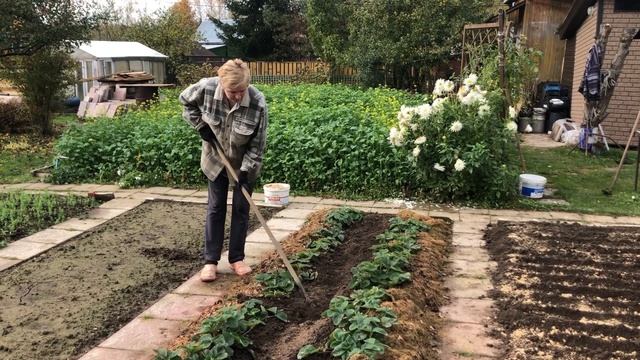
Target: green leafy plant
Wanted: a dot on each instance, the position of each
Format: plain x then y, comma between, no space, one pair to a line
22,214
280,282
227,330
322,138
307,351
461,145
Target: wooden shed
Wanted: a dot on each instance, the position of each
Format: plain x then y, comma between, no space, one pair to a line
101,58
538,21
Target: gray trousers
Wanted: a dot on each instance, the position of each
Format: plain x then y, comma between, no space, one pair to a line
216,216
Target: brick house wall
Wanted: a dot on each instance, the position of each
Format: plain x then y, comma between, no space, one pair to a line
584,39
625,102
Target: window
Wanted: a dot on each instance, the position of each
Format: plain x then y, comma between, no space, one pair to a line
626,5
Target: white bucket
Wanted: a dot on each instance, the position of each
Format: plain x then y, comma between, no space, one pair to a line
532,186
276,194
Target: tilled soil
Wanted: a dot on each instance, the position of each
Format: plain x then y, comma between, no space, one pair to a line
67,300
416,304
567,291
280,341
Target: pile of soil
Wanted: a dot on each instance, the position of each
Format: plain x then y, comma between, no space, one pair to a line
62,303
567,291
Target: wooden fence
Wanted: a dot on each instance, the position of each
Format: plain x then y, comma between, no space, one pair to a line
272,72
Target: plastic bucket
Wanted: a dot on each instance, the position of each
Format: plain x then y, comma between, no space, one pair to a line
538,121
276,194
532,186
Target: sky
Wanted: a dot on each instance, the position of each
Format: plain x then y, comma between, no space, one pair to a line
147,6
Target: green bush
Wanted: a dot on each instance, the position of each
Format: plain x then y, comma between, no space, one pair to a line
15,117
462,148
321,138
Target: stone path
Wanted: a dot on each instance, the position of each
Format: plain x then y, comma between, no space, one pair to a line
468,317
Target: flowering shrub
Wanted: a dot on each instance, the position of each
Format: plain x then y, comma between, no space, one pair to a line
459,144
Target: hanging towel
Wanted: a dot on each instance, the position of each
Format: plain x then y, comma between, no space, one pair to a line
590,84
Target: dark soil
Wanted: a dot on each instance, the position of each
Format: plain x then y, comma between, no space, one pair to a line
280,341
67,300
567,291
414,336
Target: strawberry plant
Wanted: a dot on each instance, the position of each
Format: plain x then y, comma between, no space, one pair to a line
326,239
225,331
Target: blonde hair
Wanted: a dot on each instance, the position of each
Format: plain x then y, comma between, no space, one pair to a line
234,73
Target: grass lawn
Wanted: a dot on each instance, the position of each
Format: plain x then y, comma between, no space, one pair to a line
579,179
19,154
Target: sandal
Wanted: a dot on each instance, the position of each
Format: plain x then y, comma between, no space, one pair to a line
240,268
208,273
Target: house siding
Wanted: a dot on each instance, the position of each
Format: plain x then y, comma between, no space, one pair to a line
569,63
625,102
584,39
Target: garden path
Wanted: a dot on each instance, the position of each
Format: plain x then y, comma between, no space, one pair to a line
468,316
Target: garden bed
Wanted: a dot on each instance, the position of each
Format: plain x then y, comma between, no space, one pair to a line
567,291
22,214
65,301
416,303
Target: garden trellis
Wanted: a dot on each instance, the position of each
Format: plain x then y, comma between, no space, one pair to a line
478,40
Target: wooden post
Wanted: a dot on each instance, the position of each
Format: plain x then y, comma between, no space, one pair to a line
501,72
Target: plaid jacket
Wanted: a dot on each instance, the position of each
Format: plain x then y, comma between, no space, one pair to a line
241,130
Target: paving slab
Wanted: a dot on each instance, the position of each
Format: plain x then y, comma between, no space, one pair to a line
85,187
330,201
145,334
52,236
463,287
474,311
297,205
195,200
293,213
180,307
64,187
390,211
19,186
104,213
23,250
471,339
261,236
386,205
474,211
472,269
286,224
100,353
108,188
304,199
468,240
362,204
325,206
565,216
180,192
161,190
7,263
257,196
468,253
126,204
445,214
464,356
258,250
37,186
194,286
470,227
201,194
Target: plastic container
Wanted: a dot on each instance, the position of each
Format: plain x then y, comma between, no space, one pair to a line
537,122
523,122
276,194
532,186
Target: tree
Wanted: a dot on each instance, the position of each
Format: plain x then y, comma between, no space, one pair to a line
266,29
31,25
42,79
397,38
